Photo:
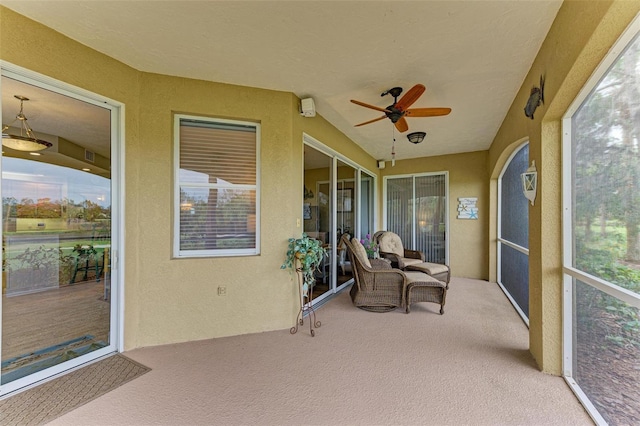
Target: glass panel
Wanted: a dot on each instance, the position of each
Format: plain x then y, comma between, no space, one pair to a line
346,217
400,208
366,206
514,276
214,219
514,213
217,178
317,212
56,299
607,354
606,175
430,217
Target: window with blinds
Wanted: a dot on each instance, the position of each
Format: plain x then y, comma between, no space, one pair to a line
216,184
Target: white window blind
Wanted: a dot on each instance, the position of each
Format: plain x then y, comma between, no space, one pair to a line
217,187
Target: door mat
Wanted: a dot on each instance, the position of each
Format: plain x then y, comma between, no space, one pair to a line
52,399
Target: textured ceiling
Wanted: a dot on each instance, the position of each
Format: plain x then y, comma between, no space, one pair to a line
472,56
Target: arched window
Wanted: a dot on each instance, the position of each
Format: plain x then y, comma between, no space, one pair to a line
513,233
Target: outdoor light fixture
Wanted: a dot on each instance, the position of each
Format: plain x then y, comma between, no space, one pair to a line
26,140
530,182
416,137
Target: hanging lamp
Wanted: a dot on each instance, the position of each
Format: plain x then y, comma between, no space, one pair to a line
26,140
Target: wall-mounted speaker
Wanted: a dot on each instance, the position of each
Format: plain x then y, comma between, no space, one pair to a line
381,164
307,108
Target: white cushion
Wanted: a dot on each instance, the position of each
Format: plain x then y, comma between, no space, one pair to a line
410,261
391,243
429,268
360,252
419,277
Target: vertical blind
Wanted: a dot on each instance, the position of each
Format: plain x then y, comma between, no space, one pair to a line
416,211
218,185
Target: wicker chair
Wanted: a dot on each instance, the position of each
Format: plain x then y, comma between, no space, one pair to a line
391,248
409,260
378,287
381,288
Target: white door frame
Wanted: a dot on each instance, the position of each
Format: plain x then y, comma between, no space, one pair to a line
116,337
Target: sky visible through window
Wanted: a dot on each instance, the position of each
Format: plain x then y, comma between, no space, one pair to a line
77,185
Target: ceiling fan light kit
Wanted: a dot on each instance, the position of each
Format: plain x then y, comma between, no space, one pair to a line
416,137
26,140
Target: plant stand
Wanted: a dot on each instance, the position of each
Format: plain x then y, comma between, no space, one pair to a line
305,308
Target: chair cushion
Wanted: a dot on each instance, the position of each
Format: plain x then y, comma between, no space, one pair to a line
390,242
429,268
409,261
420,277
361,252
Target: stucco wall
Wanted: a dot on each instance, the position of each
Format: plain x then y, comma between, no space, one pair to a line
467,178
170,300
578,40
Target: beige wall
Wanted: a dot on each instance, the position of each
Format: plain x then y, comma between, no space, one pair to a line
467,178
169,300
579,39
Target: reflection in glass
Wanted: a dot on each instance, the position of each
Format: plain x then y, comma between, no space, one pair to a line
318,202
56,250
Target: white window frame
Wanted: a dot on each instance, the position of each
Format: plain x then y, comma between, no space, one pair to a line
570,273
177,252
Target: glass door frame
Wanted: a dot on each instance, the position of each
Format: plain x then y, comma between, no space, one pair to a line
335,158
413,177
116,331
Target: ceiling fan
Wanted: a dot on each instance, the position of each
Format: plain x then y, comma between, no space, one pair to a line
400,108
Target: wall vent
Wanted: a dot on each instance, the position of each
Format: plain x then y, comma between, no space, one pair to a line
89,156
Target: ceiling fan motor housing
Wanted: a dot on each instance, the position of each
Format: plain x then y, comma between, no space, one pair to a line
394,113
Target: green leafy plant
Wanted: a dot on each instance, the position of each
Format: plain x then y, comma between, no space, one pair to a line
304,254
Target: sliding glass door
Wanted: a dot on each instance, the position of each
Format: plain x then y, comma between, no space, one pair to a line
416,210
57,224
339,199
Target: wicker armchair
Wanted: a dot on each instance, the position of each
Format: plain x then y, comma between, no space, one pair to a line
390,246
378,287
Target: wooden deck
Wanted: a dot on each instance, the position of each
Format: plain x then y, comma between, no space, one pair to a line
41,320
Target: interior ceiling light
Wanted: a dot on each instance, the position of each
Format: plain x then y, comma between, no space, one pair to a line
26,140
416,137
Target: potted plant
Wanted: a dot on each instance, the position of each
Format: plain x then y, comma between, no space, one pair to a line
304,255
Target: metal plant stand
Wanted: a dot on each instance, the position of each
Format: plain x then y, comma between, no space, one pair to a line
305,308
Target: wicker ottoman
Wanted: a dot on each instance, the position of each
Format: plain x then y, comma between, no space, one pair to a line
424,288
437,270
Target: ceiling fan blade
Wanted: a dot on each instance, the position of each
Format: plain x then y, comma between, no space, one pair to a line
402,125
410,97
369,106
426,112
371,121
